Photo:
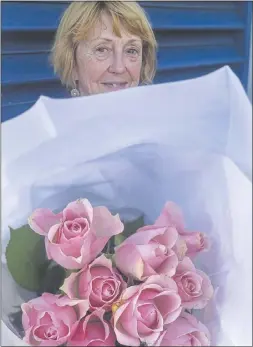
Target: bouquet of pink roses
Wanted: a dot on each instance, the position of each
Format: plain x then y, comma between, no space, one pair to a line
102,283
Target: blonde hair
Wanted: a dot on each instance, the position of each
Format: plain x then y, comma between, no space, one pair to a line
80,17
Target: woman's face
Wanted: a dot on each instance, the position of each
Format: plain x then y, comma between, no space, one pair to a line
105,62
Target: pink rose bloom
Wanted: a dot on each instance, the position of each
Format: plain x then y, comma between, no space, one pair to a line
185,331
97,283
196,242
148,252
143,310
74,237
93,330
194,286
48,320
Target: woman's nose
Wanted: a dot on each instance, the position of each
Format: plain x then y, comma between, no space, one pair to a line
117,63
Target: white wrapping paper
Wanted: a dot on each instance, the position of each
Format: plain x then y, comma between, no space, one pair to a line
132,150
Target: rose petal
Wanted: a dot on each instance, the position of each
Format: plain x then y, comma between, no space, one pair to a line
171,215
68,262
150,317
70,285
148,271
144,235
169,265
77,335
129,337
49,257
77,227
42,219
48,320
105,224
184,329
53,233
196,242
81,306
130,292
101,262
97,245
73,247
100,271
79,208
201,290
29,316
162,281
185,265
45,319
93,329
29,338
84,283
146,333
168,238
148,254
207,287
148,294
169,305
148,336
129,261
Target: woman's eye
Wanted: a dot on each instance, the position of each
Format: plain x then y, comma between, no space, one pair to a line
102,50
132,51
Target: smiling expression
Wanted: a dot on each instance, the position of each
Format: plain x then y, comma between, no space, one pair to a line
106,62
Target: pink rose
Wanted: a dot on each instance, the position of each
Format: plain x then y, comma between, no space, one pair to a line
194,286
148,252
196,242
143,310
48,320
98,283
185,331
93,330
74,237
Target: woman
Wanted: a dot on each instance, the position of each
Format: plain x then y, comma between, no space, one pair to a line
102,46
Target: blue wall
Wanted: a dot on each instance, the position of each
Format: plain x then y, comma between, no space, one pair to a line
194,38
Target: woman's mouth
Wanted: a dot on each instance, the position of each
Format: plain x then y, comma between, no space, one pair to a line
115,85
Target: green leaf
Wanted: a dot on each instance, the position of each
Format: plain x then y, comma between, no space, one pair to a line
118,239
26,257
110,257
52,278
131,227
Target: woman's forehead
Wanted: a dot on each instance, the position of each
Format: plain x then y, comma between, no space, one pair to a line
103,29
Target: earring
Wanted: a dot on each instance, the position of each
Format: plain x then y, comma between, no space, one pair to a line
74,92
